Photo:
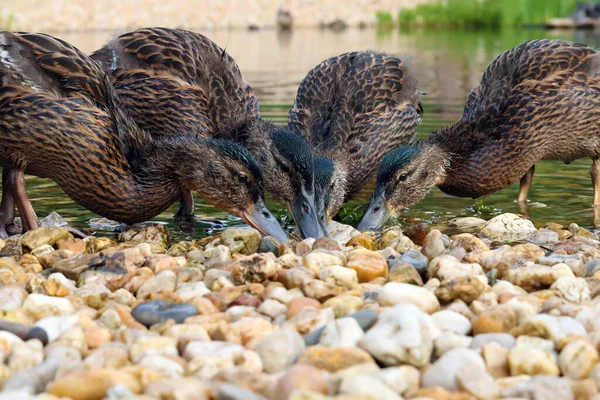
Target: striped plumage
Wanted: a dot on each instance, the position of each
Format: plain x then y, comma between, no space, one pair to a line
537,101
180,83
353,109
60,118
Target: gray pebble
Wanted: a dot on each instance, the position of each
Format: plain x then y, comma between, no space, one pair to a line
366,318
157,311
418,260
269,244
592,267
34,380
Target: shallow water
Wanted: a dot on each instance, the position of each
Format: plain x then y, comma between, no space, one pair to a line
449,65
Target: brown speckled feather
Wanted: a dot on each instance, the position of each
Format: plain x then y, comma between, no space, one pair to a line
223,95
164,105
538,101
357,107
46,63
56,124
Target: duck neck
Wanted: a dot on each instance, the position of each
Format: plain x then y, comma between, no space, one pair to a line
437,158
175,163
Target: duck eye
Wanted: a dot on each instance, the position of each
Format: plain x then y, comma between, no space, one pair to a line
331,186
242,177
403,177
285,168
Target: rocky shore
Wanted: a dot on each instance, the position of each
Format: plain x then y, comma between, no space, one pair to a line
507,311
111,15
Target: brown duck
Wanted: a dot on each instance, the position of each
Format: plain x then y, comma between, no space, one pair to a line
538,101
180,83
353,109
60,119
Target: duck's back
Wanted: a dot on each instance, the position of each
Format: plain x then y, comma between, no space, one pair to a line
357,107
48,64
532,61
176,59
540,100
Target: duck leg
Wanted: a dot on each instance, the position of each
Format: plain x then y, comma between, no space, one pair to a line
525,184
29,220
595,172
7,206
186,207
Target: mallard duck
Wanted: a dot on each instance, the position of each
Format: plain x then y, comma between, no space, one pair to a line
537,101
61,119
353,109
181,83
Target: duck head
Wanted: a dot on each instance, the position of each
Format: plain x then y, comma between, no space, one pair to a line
287,164
330,187
404,177
228,176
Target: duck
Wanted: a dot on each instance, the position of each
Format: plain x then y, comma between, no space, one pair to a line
60,118
180,83
537,101
353,109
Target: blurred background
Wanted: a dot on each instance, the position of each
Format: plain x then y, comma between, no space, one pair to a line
276,42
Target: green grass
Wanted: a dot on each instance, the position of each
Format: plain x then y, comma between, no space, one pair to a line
384,19
477,14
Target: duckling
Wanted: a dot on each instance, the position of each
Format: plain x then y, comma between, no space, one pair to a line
353,109
60,118
537,101
181,83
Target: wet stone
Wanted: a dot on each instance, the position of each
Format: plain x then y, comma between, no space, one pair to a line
157,311
417,259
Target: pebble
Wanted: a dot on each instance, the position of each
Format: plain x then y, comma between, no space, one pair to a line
403,334
164,281
237,316
395,293
417,260
241,240
93,384
280,349
404,272
448,367
532,361
540,387
301,377
255,268
334,359
369,386
503,339
45,306
46,235
446,320
508,227
433,245
227,391
157,311
577,359
343,332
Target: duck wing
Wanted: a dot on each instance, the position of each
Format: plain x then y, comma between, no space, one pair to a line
48,64
193,58
358,106
162,104
537,101
534,60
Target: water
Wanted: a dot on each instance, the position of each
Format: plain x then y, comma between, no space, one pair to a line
450,65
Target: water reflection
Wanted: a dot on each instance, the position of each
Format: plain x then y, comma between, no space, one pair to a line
449,64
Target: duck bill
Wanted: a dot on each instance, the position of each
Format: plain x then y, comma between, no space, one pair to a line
377,214
304,211
260,218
